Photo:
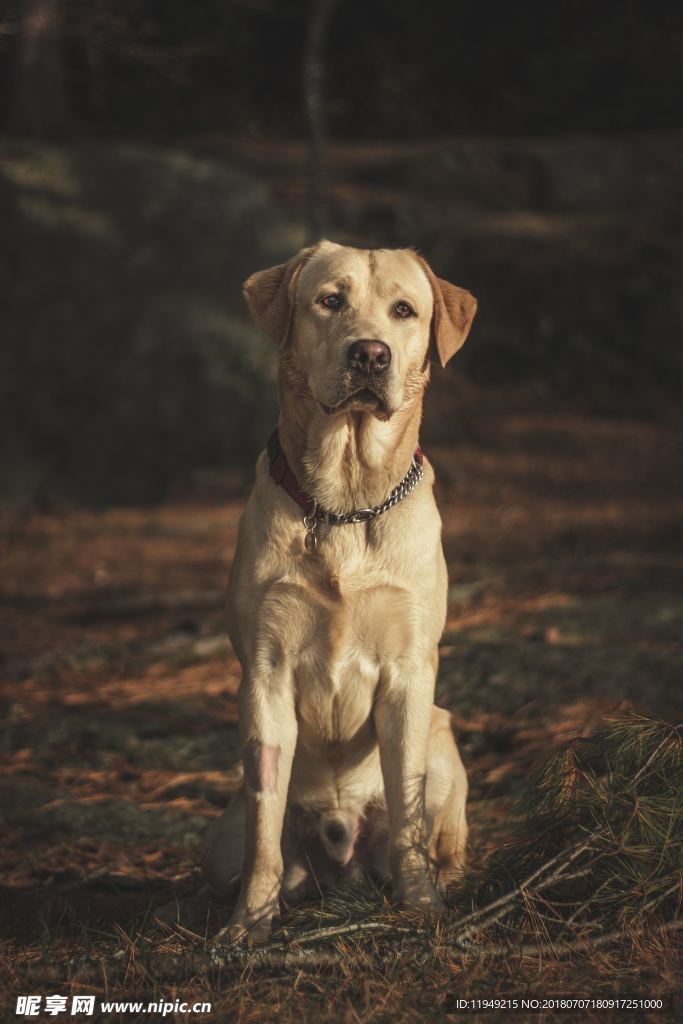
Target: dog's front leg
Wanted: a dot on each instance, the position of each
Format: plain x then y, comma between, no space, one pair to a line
268,730
402,720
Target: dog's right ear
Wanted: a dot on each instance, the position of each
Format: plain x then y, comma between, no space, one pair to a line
270,295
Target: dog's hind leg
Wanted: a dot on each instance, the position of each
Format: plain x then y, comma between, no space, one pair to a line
221,865
446,797
223,852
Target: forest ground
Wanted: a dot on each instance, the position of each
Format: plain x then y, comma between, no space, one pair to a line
563,540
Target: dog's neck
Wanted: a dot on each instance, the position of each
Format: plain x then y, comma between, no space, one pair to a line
347,460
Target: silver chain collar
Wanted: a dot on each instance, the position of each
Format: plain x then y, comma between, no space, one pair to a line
361,515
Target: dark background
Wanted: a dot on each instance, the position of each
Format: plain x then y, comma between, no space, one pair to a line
155,153
395,71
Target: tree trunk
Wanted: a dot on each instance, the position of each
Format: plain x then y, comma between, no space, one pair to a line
313,76
39,105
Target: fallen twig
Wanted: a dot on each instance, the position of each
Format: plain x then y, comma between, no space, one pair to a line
474,919
563,948
653,903
335,931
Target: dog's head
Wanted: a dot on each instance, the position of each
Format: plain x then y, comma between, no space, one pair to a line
360,324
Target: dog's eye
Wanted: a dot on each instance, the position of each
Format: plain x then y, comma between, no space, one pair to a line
331,301
403,310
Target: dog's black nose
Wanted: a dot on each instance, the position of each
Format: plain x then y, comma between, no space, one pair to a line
335,832
369,356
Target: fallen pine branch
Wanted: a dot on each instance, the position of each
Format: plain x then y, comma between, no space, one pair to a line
158,966
336,931
484,916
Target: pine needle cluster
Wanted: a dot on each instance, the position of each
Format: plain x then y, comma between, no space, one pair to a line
597,846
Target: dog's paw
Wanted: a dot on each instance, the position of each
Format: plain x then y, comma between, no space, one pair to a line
424,898
240,929
416,890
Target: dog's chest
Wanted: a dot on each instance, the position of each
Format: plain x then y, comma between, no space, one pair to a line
337,623
354,636
334,689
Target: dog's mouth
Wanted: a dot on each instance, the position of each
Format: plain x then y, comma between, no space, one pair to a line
365,399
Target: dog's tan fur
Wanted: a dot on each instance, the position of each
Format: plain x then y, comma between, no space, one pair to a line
339,647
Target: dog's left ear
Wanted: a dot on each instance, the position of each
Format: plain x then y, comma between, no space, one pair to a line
454,310
270,295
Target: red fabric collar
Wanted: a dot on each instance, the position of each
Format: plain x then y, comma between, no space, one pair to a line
282,474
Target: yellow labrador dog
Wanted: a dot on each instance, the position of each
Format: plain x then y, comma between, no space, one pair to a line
337,596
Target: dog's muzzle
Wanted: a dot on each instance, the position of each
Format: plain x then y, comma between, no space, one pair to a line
364,379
